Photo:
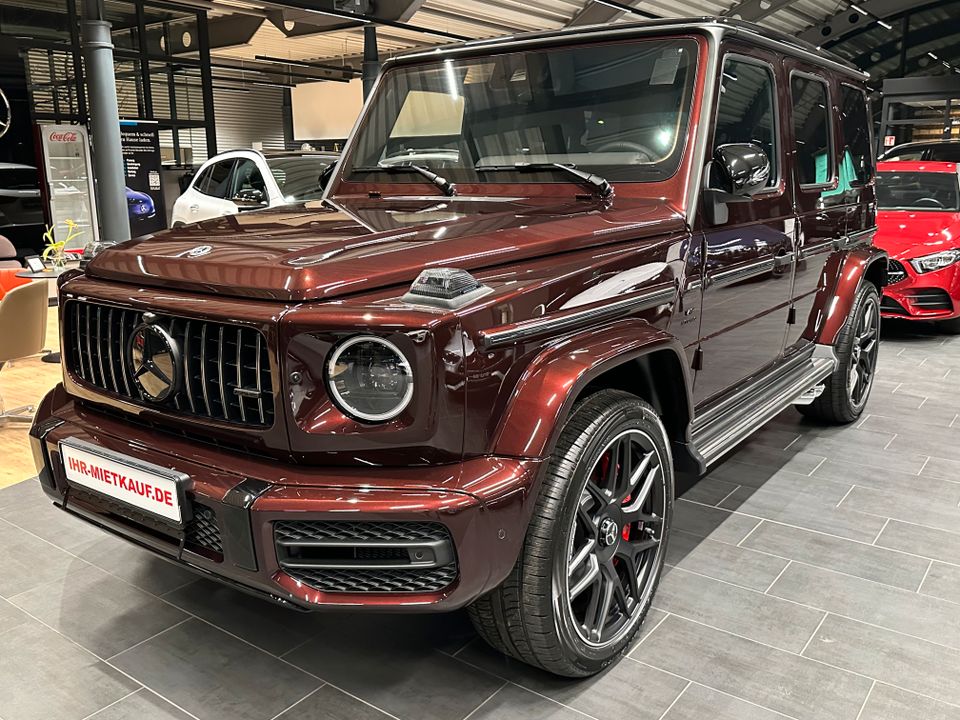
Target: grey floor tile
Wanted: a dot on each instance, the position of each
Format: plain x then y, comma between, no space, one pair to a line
214,675
391,662
142,705
47,677
794,461
719,525
943,581
24,494
736,565
890,657
97,610
942,468
11,616
920,540
747,613
515,703
908,506
135,565
27,562
928,618
775,436
934,417
654,617
701,703
781,681
628,689
840,445
806,510
890,703
865,476
268,626
929,445
328,703
740,473
866,561
53,525
709,491
792,487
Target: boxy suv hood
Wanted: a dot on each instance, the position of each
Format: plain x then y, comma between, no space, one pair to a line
317,251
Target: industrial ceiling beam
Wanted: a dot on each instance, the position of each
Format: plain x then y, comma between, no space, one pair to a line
755,10
849,20
599,12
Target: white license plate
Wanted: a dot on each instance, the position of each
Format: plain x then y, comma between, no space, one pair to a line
140,485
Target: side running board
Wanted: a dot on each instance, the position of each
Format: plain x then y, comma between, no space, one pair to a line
720,427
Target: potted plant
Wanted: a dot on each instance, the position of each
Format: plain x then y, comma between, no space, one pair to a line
55,250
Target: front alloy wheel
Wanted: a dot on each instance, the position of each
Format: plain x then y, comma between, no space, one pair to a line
595,545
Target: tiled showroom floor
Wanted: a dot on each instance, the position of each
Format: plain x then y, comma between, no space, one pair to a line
816,574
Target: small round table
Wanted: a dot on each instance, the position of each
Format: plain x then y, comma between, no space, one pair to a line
52,357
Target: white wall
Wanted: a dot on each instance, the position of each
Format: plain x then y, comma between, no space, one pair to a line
325,110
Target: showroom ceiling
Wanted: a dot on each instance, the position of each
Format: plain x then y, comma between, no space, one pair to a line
868,33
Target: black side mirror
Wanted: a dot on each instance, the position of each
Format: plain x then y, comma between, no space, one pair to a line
325,176
741,170
250,199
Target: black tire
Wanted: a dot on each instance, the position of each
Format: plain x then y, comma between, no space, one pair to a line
529,616
949,327
842,401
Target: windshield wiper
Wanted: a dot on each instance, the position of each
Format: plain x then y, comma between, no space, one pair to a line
601,185
447,187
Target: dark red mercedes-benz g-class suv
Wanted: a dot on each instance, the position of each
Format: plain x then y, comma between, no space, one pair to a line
552,280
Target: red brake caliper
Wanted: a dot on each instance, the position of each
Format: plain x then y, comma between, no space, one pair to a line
625,533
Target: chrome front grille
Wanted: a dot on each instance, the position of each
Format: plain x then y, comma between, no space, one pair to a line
225,368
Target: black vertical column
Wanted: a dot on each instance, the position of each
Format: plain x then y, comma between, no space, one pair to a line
105,127
371,59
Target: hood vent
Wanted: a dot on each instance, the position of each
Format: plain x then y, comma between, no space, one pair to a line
448,288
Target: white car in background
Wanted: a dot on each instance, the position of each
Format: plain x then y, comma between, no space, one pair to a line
241,180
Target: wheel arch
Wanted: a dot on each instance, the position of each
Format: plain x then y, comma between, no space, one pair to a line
629,355
835,299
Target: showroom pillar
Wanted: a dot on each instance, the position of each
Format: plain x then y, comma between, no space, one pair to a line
105,128
371,58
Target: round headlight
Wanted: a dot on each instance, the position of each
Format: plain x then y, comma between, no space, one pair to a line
369,378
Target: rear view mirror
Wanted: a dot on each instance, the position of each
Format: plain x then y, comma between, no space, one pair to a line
737,172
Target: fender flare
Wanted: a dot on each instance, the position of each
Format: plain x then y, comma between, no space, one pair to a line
835,299
546,392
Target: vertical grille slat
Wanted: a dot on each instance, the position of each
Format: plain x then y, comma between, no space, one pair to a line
219,382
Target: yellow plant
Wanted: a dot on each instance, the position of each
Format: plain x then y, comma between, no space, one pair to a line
54,250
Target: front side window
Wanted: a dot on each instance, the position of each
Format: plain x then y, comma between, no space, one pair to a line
217,182
619,110
745,112
300,178
918,191
856,163
811,129
247,177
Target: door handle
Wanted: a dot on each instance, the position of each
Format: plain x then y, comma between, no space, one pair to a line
194,208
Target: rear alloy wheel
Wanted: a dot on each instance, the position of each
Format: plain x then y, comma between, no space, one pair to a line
857,347
595,544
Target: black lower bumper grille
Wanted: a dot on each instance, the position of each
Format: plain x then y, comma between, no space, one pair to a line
931,299
376,581
889,305
203,531
367,557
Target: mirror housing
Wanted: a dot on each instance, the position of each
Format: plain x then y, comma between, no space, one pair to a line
249,199
742,169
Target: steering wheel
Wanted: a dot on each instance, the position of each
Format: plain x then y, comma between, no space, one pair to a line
929,201
615,145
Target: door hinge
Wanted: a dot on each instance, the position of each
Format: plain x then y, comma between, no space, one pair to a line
697,359
792,316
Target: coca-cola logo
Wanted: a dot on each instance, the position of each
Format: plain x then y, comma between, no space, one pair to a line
68,136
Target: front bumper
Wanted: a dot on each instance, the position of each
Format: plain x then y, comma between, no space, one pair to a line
928,296
483,503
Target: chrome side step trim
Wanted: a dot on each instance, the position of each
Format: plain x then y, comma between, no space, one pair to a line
722,427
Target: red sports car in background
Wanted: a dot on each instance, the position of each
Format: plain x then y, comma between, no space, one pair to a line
918,224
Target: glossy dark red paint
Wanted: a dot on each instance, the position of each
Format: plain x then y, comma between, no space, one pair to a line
483,420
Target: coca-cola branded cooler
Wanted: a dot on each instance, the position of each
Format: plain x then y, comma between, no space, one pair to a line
68,182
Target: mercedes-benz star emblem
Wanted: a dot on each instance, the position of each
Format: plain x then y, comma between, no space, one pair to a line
608,532
6,114
154,359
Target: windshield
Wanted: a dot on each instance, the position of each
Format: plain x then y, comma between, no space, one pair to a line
618,110
918,191
299,176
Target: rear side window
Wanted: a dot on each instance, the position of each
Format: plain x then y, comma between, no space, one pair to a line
856,161
945,153
811,129
216,179
745,113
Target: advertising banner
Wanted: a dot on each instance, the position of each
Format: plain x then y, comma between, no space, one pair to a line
140,141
